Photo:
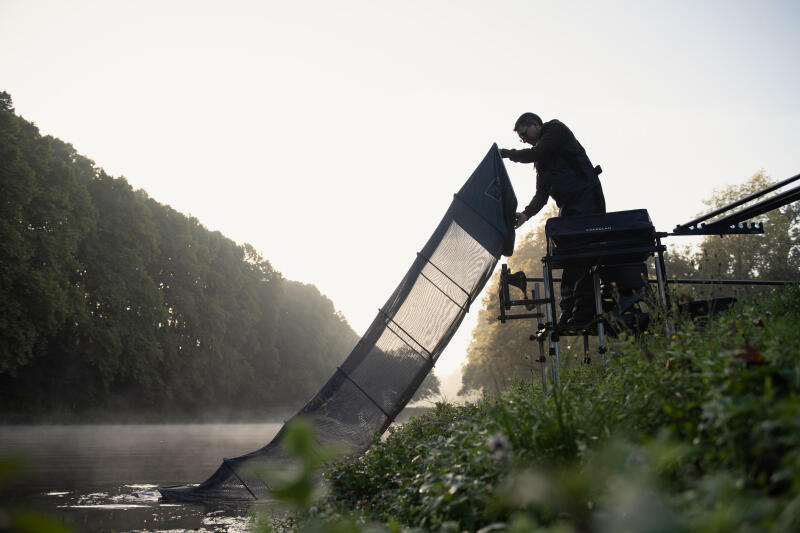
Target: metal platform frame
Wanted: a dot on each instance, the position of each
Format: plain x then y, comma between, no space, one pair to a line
594,260
550,330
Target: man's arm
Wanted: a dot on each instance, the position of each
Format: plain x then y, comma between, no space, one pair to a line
537,203
518,156
552,139
539,199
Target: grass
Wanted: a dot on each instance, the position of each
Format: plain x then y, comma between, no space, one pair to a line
697,431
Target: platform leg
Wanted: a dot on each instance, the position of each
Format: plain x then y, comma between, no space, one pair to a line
669,327
598,309
587,359
542,359
550,314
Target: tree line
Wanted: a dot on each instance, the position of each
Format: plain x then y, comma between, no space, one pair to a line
501,353
112,301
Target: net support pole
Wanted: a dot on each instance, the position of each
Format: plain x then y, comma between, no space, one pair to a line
428,260
540,342
555,360
365,393
598,309
429,280
669,328
429,357
233,471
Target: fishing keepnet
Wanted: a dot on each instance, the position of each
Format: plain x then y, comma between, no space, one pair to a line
402,344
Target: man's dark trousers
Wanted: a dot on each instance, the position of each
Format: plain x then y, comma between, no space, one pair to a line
577,291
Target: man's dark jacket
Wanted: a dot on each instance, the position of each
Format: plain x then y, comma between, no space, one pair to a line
563,171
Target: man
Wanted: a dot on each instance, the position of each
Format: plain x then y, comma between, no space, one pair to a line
563,172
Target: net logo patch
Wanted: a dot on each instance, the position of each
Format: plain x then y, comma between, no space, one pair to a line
495,191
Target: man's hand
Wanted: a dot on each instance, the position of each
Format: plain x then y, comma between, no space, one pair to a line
520,219
504,153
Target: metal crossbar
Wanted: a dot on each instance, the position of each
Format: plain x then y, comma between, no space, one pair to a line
428,260
726,282
442,291
410,336
233,471
365,393
426,359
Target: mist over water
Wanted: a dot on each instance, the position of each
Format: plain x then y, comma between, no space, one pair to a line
104,477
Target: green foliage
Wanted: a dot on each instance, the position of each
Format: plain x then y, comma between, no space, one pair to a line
20,519
774,255
313,332
434,468
295,486
429,388
5,102
44,213
110,301
695,432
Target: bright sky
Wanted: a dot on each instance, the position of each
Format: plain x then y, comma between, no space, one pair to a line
332,135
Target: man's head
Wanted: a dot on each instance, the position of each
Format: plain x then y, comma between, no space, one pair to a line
529,128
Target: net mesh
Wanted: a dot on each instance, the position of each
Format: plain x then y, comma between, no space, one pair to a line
404,341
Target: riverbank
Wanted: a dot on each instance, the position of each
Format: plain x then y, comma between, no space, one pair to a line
696,431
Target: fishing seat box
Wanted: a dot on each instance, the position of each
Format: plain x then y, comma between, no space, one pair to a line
610,238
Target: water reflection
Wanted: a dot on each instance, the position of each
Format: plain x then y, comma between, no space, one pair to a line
137,508
104,478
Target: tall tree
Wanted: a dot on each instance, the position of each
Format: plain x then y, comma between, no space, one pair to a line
44,213
118,337
110,300
775,255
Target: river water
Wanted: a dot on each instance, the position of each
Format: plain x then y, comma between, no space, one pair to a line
104,477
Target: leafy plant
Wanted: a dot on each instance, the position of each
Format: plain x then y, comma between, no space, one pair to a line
17,518
695,431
